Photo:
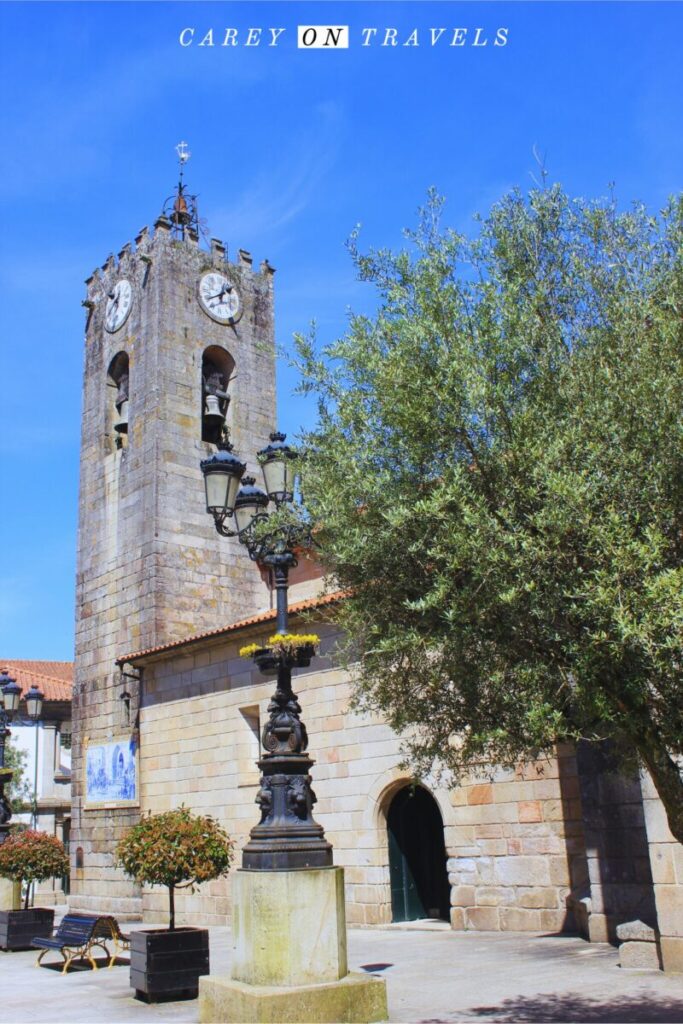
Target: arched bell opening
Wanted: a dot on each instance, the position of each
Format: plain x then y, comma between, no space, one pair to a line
118,379
417,857
217,373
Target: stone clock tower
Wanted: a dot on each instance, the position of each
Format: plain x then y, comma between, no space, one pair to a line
179,349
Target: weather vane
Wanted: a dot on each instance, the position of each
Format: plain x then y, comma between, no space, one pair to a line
181,207
183,155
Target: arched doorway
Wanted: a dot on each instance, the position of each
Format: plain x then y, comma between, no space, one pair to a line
417,857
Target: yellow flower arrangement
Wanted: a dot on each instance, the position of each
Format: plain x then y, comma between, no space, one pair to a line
249,650
293,640
282,642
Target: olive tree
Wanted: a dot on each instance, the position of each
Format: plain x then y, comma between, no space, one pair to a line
497,477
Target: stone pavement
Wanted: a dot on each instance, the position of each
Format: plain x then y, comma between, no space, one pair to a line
433,975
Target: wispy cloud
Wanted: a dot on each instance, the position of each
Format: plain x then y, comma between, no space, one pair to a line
283,190
65,135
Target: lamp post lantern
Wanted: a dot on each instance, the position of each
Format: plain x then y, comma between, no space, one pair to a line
34,706
287,835
9,704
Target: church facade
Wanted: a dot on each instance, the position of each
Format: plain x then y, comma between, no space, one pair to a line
180,344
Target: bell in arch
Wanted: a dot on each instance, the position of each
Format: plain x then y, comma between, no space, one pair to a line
121,420
213,417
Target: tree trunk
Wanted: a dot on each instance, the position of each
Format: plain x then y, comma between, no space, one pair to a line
28,894
637,723
666,776
171,903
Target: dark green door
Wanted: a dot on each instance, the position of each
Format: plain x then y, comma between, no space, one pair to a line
417,857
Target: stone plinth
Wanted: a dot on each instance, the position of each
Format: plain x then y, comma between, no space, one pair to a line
289,963
355,998
289,927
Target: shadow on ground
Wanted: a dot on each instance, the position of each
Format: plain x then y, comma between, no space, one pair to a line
77,966
548,1009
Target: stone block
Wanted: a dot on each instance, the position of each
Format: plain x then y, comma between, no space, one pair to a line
636,931
354,998
556,921
493,847
488,831
522,871
482,794
530,810
641,956
462,895
671,951
457,919
669,899
494,896
558,870
482,919
656,823
514,919
598,927
537,899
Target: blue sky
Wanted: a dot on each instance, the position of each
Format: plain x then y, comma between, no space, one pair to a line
291,149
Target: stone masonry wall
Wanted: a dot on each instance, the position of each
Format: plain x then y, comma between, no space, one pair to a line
511,844
151,567
518,850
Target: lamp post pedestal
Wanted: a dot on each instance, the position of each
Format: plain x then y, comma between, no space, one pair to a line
287,836
289,955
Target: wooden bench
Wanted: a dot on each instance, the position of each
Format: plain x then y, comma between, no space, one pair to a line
77,936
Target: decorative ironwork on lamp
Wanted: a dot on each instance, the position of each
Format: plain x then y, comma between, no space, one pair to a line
9,705
287,835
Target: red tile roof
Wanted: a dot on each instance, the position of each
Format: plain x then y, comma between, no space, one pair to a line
234,627
54,678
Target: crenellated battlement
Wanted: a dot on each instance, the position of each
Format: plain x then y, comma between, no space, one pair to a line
152,241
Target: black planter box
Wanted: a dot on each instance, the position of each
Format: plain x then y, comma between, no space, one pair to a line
167,965
18,928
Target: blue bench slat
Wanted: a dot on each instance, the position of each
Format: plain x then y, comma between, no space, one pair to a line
74,930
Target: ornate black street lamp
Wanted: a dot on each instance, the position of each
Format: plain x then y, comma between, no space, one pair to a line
287,836
9,704
34,706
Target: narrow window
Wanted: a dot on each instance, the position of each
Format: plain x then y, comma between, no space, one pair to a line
249,746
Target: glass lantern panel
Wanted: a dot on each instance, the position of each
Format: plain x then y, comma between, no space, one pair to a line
233,488
244,516
11,698
217,490
275,476
34,705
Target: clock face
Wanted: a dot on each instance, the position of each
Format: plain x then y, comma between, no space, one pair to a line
219,298
119,303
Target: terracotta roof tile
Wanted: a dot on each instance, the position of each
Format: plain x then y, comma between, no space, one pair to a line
234,627
54,678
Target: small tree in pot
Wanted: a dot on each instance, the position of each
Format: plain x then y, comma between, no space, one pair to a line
27,857
176,849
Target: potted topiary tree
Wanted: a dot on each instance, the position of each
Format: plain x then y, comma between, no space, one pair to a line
176,849
27,857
